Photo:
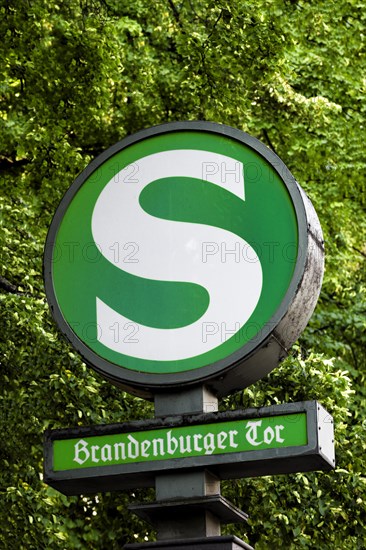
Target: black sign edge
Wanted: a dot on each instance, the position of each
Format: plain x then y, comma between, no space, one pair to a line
178,421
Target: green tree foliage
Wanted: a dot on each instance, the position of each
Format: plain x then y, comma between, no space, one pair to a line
77,76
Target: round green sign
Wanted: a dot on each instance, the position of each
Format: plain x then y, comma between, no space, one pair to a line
174,256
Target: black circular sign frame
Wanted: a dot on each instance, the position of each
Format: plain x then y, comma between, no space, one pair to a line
258,356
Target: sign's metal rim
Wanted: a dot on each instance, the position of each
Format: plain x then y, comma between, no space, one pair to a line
318,453
144,383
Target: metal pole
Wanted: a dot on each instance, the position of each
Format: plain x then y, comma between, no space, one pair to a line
189,523
189,508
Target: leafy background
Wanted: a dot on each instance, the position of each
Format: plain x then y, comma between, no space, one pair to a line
79,75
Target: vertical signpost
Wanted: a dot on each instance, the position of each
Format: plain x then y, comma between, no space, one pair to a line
182,264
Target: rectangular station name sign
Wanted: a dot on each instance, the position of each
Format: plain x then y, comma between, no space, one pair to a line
248,443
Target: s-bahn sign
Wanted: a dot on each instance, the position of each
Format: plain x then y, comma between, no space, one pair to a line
273,440
185,254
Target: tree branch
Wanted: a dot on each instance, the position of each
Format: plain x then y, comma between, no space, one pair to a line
175,13
7,163
8,286
359,251
265,133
